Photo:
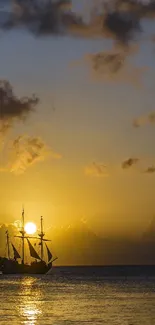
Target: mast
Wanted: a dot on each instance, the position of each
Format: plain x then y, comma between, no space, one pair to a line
42,239
41,235
8,244
23,235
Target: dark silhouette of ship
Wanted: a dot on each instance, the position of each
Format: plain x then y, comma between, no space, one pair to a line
42,262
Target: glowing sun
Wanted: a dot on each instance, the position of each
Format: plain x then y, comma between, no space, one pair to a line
30,228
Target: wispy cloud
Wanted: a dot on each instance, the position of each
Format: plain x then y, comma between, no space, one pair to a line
108,62
128,163
25,151
13,108
143,120
150,170
96,169
114,65
142,163
100,170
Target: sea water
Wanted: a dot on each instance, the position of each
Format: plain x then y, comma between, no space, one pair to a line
69,296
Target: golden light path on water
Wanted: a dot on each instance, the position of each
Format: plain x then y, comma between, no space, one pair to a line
29,307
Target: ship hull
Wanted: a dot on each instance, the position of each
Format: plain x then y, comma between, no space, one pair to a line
13,267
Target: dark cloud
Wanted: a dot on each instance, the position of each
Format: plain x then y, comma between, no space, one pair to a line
119,19
96,169
129,163
120,25
41,17
13,108
122,18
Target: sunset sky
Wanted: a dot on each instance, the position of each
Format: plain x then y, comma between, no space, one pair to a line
98,166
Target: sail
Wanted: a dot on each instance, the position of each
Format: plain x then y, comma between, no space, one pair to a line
49,254
16,254
33,253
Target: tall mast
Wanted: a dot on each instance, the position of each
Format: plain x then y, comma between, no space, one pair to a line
41,235
23,235
8,244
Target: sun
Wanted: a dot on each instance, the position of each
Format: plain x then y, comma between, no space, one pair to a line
30,228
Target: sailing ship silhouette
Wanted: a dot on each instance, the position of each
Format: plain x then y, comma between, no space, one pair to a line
17,265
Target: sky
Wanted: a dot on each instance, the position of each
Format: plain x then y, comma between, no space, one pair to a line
92,131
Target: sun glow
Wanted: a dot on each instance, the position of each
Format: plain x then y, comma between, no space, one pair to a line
30,228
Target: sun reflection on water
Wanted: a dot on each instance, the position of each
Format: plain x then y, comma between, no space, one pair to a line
30,314
30,300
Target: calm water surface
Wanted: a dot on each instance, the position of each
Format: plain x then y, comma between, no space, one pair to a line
65,298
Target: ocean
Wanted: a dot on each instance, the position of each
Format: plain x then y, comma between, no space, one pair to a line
77,296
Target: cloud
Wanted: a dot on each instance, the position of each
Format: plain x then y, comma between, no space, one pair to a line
111,62
120,25
113,66
142,8
151,118
25,151
144,120
119,19
150,170
129,162
13,108
96,169
107,21
41,17
122,18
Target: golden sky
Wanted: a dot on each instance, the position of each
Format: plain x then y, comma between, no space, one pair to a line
87,149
